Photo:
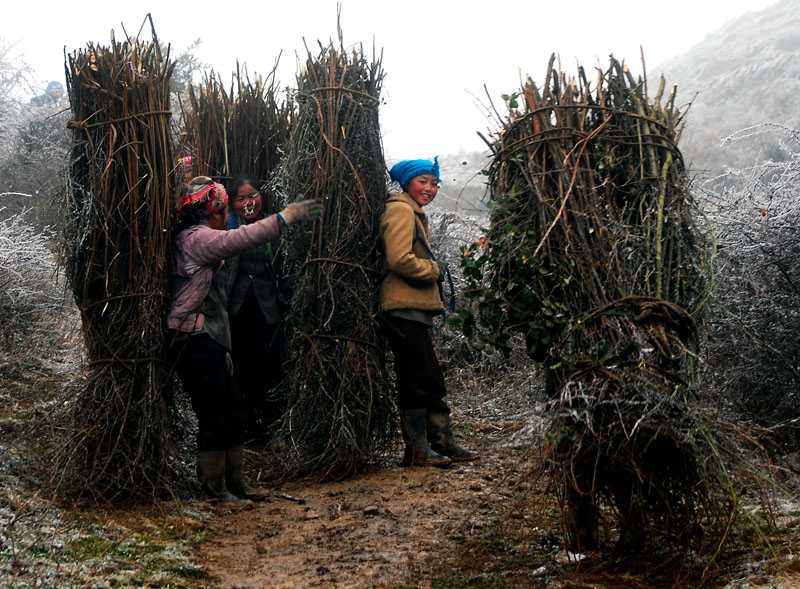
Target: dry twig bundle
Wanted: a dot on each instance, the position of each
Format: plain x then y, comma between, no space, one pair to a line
594,256
119,209
243,130
340,411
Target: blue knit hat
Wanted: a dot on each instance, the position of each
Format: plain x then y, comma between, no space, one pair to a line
405,170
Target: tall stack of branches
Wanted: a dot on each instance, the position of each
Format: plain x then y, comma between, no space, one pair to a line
119,207
595,257
244,129
340,411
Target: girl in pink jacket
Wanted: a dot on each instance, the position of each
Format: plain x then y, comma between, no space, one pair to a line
201,339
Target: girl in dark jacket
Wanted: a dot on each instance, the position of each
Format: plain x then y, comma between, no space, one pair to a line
256,304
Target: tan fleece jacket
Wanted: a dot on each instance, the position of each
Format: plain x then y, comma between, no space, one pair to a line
411,273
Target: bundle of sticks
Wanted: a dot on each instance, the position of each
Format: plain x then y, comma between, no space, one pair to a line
242,130
340,411
120,202
594,256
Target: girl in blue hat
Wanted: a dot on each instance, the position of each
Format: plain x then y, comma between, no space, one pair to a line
409,300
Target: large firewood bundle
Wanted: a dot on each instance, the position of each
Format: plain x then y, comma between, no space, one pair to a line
242,130
594,256
119,210
340,410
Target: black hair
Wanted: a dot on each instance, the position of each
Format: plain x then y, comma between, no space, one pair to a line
189,215
240,180
267,198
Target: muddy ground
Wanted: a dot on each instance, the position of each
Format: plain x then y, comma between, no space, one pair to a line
489,523
393,527
492,523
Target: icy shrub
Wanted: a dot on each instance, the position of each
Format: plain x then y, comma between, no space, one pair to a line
754,340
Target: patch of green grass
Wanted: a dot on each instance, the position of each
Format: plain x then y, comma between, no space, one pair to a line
161,558
36,550
92,547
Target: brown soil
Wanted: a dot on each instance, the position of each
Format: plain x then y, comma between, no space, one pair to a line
393,527
486,524
470,524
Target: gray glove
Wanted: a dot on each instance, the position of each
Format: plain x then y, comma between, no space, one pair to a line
303,210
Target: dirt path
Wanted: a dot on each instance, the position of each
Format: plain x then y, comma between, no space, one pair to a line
486,524
472,525
389,528
402,527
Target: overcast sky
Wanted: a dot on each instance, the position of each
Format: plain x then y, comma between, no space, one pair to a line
437,54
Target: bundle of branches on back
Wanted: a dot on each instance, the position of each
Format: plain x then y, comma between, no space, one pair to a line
340,411
119,208
245,129
593,256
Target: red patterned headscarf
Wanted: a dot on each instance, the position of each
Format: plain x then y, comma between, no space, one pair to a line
203,189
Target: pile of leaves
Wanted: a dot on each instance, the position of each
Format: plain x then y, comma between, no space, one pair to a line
340,409
594,257
118,212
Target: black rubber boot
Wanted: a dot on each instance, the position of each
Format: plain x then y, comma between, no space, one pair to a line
234,477
632,520
211,474
581,521
418,451
440,436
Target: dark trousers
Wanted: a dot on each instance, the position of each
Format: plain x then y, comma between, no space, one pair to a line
419,379
258,354
221,415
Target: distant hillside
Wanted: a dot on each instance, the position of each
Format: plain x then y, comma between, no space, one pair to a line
745,74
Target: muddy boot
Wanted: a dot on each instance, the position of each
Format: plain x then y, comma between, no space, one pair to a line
211,474
632,519
234,478
632,530
440,436
418,452
581,522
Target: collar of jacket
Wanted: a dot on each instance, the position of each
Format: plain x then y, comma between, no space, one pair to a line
406,198
235,221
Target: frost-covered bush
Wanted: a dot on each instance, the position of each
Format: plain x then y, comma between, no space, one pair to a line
33,304
33,142
754,343
33,148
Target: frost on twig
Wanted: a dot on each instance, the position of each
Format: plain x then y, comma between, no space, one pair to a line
32,299
754,343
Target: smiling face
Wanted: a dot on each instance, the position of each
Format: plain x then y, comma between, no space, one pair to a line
247,203
423,189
